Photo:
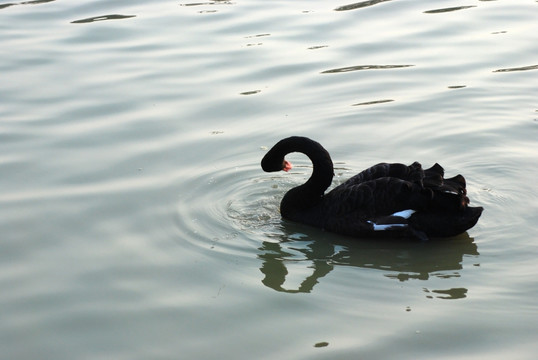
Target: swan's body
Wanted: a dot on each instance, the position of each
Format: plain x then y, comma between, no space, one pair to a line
386,200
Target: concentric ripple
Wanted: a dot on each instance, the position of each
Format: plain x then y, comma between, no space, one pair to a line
231,210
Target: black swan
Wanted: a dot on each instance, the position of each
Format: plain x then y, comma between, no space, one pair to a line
386,200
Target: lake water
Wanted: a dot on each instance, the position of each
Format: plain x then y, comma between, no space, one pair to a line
136,222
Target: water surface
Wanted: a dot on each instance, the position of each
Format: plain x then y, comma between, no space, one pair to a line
136,222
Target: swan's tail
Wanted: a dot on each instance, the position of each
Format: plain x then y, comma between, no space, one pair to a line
448,212
446,224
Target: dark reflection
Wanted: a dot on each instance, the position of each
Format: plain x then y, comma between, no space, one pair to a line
317,47
522,68
359,5
257,36
436,11
33,2
309,259
373,102
275,256
364,67
251,92
102,18
216,2
450,294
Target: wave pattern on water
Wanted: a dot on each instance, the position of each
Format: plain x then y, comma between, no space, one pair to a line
33,2
130,150
216,2
521,68
236,200
364,67
450,9
374,102
102,18
359,5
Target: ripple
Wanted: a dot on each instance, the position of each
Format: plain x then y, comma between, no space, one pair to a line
522,68
217,2
34,2
317,47
450,9
364,67
257,36
251,92
374,102
102,18
359,5
220,205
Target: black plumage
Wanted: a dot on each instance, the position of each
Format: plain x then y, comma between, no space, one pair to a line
385,200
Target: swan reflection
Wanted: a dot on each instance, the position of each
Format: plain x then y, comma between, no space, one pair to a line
295,263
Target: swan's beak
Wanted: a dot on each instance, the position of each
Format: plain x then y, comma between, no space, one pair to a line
286,166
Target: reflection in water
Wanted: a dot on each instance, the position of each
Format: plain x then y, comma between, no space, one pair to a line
317,47
275,257
257,35
450,294
399,260
374,102
359,5
363,67
436,11
522,68
102,18
32,2
216,2
251,92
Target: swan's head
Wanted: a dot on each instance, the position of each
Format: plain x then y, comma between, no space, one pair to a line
270,165
275,160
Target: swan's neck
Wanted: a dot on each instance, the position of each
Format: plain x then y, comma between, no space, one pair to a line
310,194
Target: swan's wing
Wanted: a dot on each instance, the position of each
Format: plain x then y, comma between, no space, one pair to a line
377,197
413,202
374,205
447,192
413,173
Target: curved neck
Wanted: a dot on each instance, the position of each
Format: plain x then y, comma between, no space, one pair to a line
310,193
323,171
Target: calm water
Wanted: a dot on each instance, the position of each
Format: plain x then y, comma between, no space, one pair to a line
136,222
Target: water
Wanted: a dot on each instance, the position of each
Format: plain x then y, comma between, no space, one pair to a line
136,222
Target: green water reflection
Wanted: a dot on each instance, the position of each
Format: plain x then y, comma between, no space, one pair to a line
399,260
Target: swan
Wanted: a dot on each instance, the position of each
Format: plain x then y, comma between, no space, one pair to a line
385,200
